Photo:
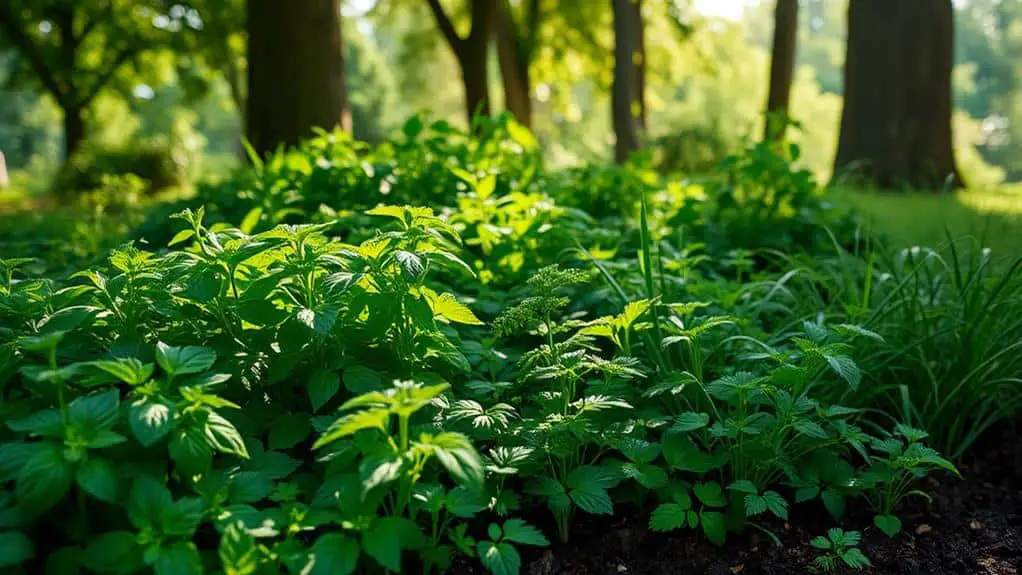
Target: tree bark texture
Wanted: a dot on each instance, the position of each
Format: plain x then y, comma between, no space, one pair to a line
513,54
471,52
626,107
295,71
74,130
896,122
782,68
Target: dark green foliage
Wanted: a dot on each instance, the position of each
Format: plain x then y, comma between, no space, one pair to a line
340,384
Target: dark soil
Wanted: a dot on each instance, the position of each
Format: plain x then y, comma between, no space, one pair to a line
973,526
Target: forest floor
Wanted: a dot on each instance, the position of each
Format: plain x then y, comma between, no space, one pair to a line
973,526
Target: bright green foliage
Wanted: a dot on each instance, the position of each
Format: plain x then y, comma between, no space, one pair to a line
393,387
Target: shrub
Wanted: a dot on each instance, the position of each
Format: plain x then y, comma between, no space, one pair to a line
156,162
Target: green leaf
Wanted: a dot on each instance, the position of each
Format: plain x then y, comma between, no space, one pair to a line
855,559
238,551
552,490
710,494
182,518
521,532
129,369
714,527
689,421
352,423
180,558
334,554
15,549
320,320
183,235
834,501
249,487
289,430
150,420
889,524
44,480
94,412
820,542
115,551
447,307
755,504
682,454
411,264
97,478
147,501
587,487
385,539
456,453
323,386
638,450
223,436
776,504
499,558
809,428
845,367
190,451
46,423
668,517
184,360
359,379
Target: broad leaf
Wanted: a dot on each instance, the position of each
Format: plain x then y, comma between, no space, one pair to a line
499,558
322,387
150,420
97,478
334,554
184,360
668,517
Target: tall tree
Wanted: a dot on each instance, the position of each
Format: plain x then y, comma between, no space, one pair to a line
516,45
626,99
295,71
896,122
782,68
471,51
74,49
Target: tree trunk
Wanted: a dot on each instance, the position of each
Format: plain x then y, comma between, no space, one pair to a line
514,69
640,83
474,72
74,130
782,68
295,71
896,122
625,98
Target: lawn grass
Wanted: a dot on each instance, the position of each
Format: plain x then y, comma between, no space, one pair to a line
988,217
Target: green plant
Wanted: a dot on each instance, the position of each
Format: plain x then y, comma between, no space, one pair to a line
839,547
900,461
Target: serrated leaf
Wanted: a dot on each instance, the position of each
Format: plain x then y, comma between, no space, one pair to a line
689,421
238,551
94,412
845,367
668,517
521,532
359,379
385,539
754,504
776,504
115,551
320,320
447,307
249,487
855,559
411,264
809,428
743,486
456,453
147,501
288,431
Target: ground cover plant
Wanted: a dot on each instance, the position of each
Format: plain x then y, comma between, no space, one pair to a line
315,368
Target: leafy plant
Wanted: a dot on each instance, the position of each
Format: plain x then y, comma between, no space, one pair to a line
839,547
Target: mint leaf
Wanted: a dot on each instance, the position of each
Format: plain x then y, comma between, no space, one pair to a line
97,478
184,360
334,554
150,421
44,480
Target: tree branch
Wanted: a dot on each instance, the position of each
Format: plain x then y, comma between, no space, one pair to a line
30,51
483,12
445,25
